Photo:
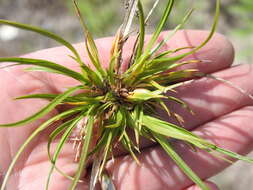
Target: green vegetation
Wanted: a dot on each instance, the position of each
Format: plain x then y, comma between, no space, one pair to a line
236,17
112,101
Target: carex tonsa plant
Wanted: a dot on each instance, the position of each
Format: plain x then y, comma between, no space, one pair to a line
110,102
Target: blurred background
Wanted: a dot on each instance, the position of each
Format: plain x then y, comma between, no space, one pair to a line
103,19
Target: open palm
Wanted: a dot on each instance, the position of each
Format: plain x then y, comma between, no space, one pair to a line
223,115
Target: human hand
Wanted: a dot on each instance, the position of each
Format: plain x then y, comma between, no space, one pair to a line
220,113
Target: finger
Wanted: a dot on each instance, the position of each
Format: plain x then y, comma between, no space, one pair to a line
217,57
232,132
11,111
35,171
218,51
211,185
210,98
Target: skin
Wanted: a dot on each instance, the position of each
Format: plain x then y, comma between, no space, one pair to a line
223,115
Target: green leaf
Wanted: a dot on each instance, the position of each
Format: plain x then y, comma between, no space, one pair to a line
169,52
93,76
41,69
174,131
128,145
42,32
151,11
84,150
142,30
232,154
107,148
213,29
136,69
174,77
101,142
180,162
70,126
35,133
180,102
90,43
111,70
160,26
98,158
163,89
47,65
137,116
161,65
44,110
119,117
163,106
73,99
172,33
139,64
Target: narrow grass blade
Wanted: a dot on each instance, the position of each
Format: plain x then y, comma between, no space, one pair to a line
101,142
42,32
53,135
151,11
180,162
119,117
35,133
128,145
164,107
107,148
44,110
93,75
142,30
46,64
42,69
158,66
233,154
160,26
169,52
111,70
164,89
220,156
138,116
128,19
70,99
84,151
180,102
98,158
170,130
138,66
174,77
172,33
90,43
60,145
213,29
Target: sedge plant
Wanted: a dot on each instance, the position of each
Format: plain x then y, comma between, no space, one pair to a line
110,102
